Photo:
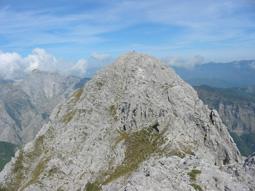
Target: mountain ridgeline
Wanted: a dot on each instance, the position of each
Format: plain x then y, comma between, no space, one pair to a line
223,75
25,105
135,125
236,106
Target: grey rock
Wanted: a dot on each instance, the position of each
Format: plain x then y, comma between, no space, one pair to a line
25,105
135,126
249,164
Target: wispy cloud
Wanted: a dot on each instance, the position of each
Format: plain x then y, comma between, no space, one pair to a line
100,56
13,65
88,26
186,62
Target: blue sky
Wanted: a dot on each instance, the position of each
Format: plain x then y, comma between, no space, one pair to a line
215,30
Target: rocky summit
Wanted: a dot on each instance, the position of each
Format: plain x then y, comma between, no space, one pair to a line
134,126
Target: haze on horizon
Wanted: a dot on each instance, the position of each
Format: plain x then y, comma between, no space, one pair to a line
71,35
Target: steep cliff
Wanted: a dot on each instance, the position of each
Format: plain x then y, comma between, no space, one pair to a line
236,107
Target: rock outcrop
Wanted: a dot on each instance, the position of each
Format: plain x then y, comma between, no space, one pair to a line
135,126
249,164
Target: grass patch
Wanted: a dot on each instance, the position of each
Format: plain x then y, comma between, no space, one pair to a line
95,186
36,172
140,146
193,174
122,136
17,170
37,150
77,94
196,187
18,166
193,177
68,117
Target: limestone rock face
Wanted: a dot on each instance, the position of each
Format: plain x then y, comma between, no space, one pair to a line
135,126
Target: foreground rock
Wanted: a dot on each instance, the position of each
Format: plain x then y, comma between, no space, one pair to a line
135,126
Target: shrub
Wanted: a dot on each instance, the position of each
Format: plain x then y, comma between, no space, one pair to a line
196,187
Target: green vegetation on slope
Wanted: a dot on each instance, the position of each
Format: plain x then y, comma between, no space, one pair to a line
196,187
7,151
93,186
77,94
68,117
140,145
193,174
193,178
36,172
21,170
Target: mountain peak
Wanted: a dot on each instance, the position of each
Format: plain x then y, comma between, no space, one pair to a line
134,126
136,59
137,70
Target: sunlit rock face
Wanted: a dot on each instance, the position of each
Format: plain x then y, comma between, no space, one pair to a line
135,126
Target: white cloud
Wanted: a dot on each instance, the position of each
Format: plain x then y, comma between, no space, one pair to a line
41,60
10,64
80,68
13,66
100,56
185,62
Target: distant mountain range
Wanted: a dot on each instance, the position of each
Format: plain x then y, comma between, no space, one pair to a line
215,74
25,105
231,74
